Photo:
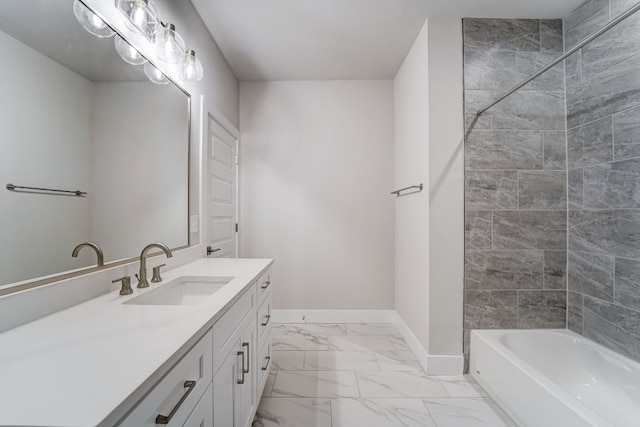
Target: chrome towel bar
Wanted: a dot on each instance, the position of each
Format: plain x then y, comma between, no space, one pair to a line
398,192
78,193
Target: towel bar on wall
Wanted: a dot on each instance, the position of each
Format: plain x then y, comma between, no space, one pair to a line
78,193
398,192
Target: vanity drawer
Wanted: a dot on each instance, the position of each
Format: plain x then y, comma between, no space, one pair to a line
203,414
226,329
264,364
264,285
179,390
264,319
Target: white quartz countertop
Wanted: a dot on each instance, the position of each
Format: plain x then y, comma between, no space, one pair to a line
89,364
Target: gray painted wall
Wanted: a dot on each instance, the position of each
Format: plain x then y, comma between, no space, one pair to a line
603,120
515,178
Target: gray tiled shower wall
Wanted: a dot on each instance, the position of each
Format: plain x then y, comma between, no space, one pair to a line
515,177
603,136
517,158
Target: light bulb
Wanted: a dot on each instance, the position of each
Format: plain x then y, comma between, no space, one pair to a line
169,44
127,52
191,67
142,16
155,75
90,21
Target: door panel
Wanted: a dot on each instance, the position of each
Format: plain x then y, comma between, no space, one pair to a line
222,194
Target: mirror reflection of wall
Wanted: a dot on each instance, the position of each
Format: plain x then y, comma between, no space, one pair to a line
115,135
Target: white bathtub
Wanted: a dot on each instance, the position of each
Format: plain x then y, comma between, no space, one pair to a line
549,378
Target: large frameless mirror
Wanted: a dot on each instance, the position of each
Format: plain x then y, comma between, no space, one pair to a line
76,117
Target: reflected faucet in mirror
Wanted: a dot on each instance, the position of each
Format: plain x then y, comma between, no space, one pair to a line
142,277
93,246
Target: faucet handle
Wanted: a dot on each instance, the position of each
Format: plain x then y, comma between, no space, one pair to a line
156,273
126,285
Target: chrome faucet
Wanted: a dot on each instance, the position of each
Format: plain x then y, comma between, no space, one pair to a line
93,246
142,277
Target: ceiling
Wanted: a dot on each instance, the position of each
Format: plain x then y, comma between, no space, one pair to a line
340,39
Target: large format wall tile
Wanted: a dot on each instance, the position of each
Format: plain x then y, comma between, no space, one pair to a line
612,48
529,230
542,190
612,185
575,191
574,307
503,270
583,21
626,134
627,283
591,274
530,110
590,144
491,309
489,70
555,270
474,100
614,232
477,230
502,34
612,326
491,190
528,63
542,309
491,149
551,39
555,144
609,92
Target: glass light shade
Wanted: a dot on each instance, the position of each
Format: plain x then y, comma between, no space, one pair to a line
127,52
90,21
143,16
169,44
191,67
155,75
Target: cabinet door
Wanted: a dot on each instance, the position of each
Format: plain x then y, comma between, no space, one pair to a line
247,399
202,415
224,390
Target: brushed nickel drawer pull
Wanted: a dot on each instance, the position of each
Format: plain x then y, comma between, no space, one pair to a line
268,316
266,284
162,419
246,371
241,381
268,359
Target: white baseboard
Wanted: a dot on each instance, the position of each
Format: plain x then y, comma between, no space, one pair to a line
432,364
332,316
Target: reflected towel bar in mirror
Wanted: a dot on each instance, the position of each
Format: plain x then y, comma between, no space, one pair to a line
417,187
78,193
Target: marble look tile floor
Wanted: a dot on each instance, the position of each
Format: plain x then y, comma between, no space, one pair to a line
351,375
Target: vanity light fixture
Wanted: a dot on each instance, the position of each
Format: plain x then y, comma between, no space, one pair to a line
155,75
169,44
143,16
127,52
90,21
191,67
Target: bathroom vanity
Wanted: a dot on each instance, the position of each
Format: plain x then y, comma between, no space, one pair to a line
177,353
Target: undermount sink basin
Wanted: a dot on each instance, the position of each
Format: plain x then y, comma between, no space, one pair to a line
186,290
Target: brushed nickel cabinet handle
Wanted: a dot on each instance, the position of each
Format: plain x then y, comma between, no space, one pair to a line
268,316
266,284
241,381
162,419
268,359
246,371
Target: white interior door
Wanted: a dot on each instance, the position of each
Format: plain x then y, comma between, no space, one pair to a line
222,197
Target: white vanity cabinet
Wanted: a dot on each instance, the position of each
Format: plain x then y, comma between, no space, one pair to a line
235,361
172,400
